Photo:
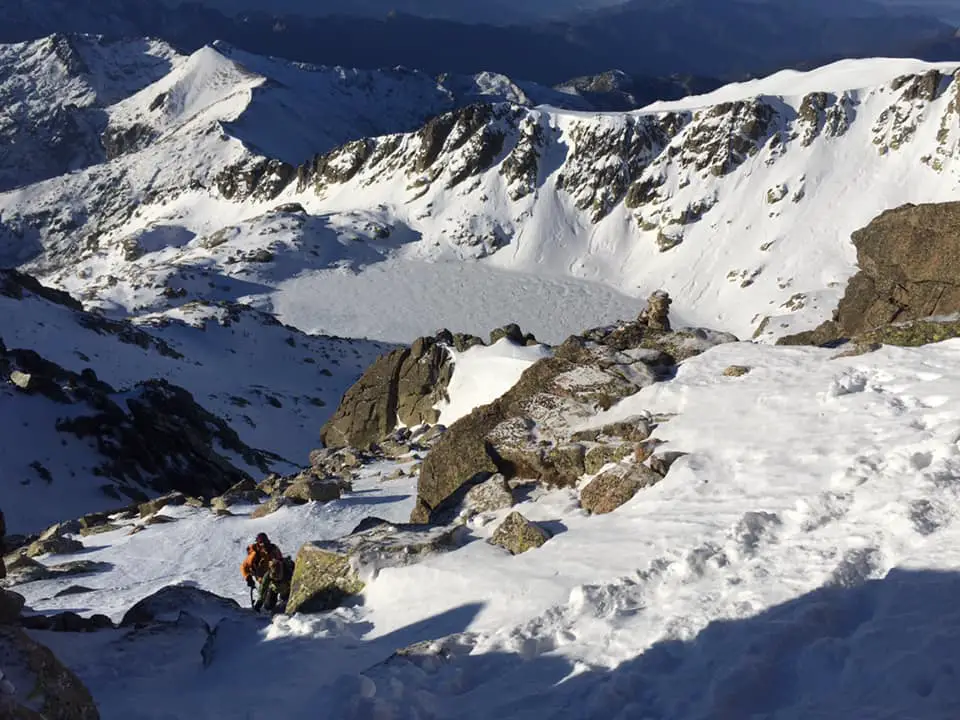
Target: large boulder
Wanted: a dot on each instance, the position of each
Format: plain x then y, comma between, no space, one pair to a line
406,384
909,262
526,432
42,686
327,573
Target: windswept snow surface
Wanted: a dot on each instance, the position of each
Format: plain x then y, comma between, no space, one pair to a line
481,374
801,561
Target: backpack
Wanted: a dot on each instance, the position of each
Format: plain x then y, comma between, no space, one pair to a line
288,568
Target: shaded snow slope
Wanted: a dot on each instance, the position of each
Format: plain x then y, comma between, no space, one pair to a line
740,204
272,384
800,561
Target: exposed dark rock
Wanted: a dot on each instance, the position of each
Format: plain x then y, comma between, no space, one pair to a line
736,371
164,440
11,604
167,603
257,178
909,267
31,571
67,622
516,534
407,383
511,331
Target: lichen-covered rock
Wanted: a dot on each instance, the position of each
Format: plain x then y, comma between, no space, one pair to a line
511,331
245,492
909,261
605,453
493,494
736,371
45,687
322,580
406,383
99,529
564,465
516,534
56,545
152,506
656,315
328,572
270,507
610,490
313,490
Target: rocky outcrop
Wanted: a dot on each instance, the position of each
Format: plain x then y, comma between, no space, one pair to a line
909,262
42,686
326,573
527,432
405,384
516,534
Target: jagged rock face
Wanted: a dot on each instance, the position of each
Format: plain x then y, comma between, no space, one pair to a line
909,263
407,383
45,688
526,432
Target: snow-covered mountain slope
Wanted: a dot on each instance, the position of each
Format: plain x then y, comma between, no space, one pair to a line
739,203
271,384
800,561
53,93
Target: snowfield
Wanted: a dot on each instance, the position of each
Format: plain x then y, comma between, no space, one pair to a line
801,561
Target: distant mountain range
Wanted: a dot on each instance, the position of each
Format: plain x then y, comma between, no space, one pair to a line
731,40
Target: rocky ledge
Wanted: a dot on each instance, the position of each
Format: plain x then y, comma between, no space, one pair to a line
907,286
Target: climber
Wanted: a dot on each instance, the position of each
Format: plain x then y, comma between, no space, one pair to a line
266,569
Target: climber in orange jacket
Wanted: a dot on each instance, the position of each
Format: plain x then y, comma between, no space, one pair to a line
265,566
